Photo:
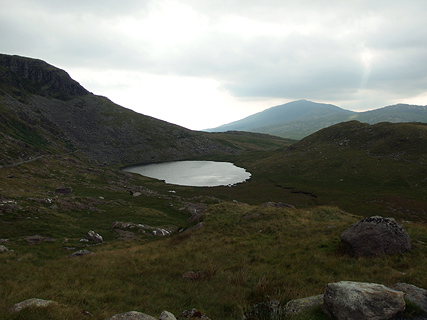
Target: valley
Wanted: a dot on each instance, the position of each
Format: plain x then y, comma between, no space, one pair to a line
274,237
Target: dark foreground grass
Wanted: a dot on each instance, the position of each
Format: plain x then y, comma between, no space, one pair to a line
248,254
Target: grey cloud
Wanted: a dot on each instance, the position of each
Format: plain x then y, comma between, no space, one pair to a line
325,63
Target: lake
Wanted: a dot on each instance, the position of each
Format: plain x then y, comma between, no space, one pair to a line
193,173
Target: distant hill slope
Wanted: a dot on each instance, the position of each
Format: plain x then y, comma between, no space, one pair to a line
299,119
44,111
358,167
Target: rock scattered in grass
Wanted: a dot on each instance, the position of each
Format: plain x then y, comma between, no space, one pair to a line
33,302
80,253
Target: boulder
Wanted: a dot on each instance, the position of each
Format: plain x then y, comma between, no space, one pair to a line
375,236
166,315
131,315
346,300
413,294
298,305
33,302
93,236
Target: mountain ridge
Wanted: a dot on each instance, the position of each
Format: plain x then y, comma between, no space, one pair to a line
44,111
298,119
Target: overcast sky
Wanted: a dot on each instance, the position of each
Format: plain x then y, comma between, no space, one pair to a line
203,63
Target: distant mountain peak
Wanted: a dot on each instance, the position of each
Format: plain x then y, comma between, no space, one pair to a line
300,118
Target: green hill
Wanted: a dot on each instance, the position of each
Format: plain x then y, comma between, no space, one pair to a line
359,167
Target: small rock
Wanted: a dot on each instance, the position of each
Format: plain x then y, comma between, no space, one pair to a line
33,302
131,315
80,253
93,236
3,248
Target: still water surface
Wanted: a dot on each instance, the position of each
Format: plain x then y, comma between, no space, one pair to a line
193,173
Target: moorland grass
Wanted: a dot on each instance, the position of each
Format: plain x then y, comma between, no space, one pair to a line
249,254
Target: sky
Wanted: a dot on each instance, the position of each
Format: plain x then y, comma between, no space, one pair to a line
204,63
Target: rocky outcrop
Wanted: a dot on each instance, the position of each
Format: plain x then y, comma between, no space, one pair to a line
33,302
346,300
375,236
41,78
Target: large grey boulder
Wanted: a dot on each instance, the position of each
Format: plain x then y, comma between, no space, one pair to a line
346,300
376,236
33,302
131,315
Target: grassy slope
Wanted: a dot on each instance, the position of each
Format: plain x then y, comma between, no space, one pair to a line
379,169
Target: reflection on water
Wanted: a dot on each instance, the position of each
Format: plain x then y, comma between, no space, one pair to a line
193,173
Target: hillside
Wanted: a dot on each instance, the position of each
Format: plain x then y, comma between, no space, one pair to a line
299,119
44,111
359,167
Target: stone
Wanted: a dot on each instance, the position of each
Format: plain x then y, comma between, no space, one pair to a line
80,253
131,315
413,294
38,239
33,302
93,236
298,305
346,300
3,248
166,315
375,236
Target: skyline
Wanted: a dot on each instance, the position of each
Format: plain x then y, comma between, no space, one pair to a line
201,64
